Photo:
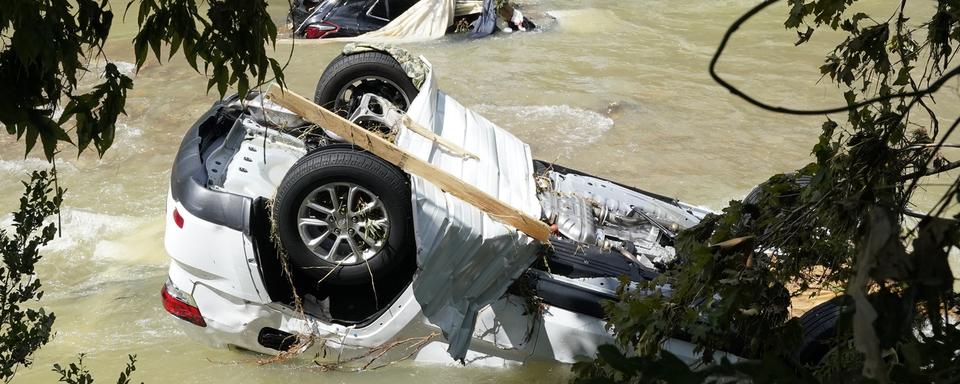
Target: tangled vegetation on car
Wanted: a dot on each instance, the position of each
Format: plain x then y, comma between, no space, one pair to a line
850,228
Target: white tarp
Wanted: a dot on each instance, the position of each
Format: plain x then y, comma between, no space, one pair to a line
427,19
466,259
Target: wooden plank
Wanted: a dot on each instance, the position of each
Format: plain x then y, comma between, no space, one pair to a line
390,152
429,135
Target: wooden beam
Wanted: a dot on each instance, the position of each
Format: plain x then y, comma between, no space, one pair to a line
395,155
415,127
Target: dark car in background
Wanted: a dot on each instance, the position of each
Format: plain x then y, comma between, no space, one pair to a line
315,19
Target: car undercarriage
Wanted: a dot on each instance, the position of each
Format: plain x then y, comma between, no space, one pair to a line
284,234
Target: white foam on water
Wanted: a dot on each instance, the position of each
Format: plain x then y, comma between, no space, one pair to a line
96,251
125,68
128,131
83,228
127,140
552,125
20,167
108,249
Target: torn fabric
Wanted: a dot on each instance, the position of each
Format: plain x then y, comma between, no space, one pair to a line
486,24
425,20
466,259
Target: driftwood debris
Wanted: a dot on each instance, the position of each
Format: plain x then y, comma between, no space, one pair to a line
390,152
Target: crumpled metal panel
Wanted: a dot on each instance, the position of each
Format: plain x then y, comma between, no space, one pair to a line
466,259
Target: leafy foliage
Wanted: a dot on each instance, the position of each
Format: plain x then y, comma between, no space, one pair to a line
43,55
76,373
24,329
843,222
46,47
230,40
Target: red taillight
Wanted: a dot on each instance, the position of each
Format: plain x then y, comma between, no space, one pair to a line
179,307
177,219
316,31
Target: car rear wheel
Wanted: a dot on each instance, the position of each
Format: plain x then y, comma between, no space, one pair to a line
344,216
349,77
828,346
820,329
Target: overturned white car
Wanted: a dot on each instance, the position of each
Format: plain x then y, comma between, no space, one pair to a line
284,235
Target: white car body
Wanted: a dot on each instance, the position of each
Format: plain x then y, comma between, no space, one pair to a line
216,268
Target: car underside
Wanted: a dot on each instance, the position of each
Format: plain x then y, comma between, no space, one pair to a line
284,235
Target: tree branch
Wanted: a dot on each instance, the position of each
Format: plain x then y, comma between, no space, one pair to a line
932,88
929,172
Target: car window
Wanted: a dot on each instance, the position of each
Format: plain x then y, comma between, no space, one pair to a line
379,10
398,7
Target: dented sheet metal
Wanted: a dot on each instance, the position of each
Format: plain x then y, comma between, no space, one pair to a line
466,259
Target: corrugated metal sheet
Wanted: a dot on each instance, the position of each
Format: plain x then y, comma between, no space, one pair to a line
467,260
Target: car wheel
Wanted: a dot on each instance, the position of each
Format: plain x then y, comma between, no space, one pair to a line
820,329
344,216
827,349
349,77
758,193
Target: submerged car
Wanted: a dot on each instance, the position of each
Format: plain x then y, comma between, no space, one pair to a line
315,19
283,235
325,19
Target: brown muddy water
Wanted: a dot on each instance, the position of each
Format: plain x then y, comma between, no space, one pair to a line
615,88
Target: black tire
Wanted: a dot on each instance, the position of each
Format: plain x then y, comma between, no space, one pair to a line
757,193
820,325
373,66
343,164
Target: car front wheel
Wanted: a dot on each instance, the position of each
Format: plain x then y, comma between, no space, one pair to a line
349,77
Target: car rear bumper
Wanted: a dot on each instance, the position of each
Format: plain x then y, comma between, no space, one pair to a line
230,321
208,239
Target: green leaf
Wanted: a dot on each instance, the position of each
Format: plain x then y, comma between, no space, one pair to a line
903,76
140,50
797,12
613,357
31,140
174,45
803,37
155,43
190,53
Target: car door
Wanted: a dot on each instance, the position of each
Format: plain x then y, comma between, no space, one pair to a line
376,14
398,7
347,16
